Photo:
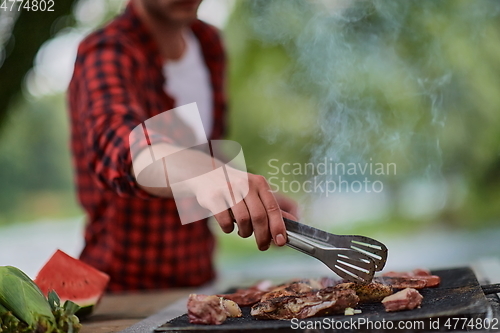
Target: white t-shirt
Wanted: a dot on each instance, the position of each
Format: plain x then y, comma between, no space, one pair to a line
188,81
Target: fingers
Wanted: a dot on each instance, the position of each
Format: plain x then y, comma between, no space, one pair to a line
242,218
258,213
258,217
287,204
225,221
289,216
276,224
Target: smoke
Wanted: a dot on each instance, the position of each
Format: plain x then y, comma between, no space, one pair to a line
379,70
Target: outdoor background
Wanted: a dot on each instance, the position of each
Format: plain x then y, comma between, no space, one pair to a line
415,83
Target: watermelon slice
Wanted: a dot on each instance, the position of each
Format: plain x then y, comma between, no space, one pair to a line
72,280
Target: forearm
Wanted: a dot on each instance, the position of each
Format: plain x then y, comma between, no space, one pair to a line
156,174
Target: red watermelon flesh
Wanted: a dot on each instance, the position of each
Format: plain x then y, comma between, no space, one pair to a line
72,280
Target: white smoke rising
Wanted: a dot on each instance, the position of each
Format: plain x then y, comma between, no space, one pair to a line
378,71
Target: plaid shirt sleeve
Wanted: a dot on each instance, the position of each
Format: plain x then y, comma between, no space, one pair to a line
107,89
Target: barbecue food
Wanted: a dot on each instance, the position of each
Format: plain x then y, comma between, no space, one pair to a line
367,293
432,281
329,282
312,297
419,273
295,287
290,289
249,296
264,290
314,303
406,299
401,282
211,309
245,297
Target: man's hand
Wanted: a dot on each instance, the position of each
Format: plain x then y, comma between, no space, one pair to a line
259,212
254,208
287,205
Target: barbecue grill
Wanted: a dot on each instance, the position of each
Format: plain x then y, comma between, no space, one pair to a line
459,298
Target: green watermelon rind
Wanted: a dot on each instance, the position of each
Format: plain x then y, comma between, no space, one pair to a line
86,306
85,311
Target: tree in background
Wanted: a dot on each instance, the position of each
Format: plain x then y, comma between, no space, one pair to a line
36,178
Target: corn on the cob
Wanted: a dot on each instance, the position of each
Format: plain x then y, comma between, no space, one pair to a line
24,309
19,294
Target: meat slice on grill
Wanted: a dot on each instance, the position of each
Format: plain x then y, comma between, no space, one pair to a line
289,289
406,299
210,309
367,293
420,274
244,297
264,290
402,282
329,282
249,296
432,281
310,304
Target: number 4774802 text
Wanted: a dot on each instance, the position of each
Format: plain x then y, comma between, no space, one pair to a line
28,5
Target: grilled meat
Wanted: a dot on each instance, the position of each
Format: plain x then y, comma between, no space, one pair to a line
290,289
249,296
244,297
419,273
211,309
402,282
432,280
313,303
406,299
329,282
309,297
367,293
295,287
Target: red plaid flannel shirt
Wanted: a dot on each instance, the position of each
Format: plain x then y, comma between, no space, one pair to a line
118,83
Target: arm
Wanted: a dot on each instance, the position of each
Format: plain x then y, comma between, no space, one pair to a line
105,109
112,111
256,210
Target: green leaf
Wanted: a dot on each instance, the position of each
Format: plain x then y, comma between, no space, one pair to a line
70,308
19,294
54,300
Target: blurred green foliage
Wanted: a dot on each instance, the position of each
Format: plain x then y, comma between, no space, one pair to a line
410,82
36,179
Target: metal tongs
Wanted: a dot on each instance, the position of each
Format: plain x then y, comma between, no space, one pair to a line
354,258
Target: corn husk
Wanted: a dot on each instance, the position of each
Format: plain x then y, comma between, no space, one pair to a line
3,310
21,296
9,323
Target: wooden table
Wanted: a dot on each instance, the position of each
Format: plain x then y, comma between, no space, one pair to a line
116,312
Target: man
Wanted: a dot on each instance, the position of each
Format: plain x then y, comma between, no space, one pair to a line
121,79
